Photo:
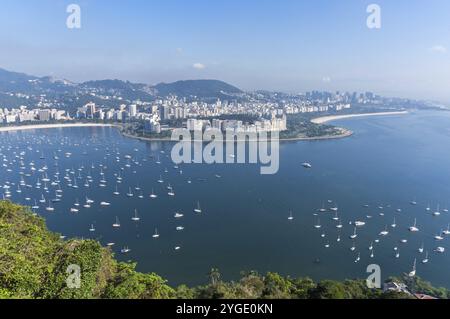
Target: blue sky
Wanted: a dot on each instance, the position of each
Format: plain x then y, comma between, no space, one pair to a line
288,45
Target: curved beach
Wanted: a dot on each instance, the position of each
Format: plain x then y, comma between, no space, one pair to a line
50,126
326,119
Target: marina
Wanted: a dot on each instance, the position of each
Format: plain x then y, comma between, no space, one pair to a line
325,221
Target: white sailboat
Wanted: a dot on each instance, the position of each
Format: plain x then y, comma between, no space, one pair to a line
135,218
50,208
421,248
318,225
290,216
414,227
385,232
155,235
425,260
116,223
437,212
412,273
178,215
394,224
153,195
354,235
130,193
198,209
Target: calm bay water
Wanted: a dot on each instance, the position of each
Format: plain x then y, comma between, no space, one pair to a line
389,162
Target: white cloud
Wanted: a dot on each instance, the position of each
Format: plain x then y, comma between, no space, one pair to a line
199,66
438,49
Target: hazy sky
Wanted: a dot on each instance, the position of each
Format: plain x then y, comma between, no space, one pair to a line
293,46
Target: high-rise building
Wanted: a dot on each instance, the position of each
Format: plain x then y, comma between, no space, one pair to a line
90,110
44,115
132,110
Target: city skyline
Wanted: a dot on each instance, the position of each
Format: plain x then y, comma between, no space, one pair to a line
290,47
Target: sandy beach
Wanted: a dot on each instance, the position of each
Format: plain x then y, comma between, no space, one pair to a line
51,126
326,119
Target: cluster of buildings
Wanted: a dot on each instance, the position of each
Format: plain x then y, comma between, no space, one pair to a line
22,115
235,126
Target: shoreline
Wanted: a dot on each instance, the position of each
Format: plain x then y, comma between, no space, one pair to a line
329,118
344,132
319,120
52,126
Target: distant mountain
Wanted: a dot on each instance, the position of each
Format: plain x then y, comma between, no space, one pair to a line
14,87
15,82
206,89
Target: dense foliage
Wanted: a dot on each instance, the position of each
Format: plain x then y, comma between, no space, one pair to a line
34,263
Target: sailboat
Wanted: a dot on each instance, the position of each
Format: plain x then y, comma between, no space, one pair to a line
437,212
394,224
384,232
425,260
117,223
155,235
371,246
135,218
141,195
116,191
92,229
447,231
397,253
198,209
36,206
413,271
353,248
290,216
421,249
358,258
77,203
372,255
354,235
336,217
317,226
130,194
414,227
439,237
178,215
339,224
125,250
153,195
171,191
49,208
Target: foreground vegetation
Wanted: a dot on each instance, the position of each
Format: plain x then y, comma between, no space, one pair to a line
34,262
